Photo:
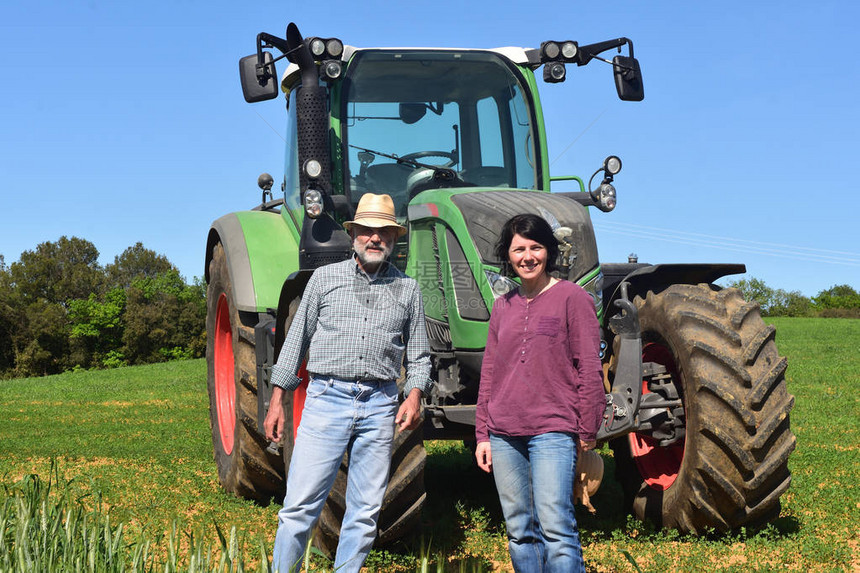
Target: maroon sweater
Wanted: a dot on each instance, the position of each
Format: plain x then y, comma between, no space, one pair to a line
541,371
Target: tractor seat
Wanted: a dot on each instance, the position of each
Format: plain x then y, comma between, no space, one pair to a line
487,176
390,178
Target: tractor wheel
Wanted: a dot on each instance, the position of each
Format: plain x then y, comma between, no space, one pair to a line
732,466
245,467
401,506
405,495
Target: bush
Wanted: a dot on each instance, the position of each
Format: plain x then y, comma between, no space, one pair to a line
840,301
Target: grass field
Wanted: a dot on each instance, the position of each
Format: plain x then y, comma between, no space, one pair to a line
131,450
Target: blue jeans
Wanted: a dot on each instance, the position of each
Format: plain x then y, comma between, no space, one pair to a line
534,477
339,416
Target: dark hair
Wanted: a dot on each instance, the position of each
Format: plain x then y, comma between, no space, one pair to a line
532,227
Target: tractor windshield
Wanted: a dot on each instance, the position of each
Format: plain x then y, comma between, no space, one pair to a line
407,114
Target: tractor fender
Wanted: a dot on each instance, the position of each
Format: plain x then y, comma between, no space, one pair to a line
642,278
260,252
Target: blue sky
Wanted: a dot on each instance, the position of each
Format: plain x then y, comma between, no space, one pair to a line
124,122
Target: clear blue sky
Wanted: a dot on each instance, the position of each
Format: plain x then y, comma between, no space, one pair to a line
124,121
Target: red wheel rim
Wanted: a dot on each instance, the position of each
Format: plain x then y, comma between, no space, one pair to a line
225,386
658,466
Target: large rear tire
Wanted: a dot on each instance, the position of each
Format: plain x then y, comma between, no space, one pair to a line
404,497
732,468
245,467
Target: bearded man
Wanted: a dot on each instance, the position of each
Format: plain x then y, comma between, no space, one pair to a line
356,321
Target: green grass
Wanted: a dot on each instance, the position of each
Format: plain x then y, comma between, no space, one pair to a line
132,455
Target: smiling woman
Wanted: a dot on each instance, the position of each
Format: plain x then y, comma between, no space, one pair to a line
540,400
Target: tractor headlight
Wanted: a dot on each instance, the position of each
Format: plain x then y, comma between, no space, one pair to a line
313,203
612,165
313,168
499,285
606,197
594,287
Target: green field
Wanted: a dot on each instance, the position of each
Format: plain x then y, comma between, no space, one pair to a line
132,446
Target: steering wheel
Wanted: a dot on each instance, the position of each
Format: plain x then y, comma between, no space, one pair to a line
451,157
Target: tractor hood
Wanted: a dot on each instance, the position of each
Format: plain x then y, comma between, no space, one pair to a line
483,213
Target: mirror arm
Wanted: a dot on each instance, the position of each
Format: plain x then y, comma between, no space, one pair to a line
586,53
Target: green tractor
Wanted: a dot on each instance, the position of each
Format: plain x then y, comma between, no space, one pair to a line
697,410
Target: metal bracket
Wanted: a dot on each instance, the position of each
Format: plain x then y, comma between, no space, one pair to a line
264,347
622,402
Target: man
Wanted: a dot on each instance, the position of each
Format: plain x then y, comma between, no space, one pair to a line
356,320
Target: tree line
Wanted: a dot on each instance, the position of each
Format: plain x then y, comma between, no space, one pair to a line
840,301
61,310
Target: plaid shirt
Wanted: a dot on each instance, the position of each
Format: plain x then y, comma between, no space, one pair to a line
357,328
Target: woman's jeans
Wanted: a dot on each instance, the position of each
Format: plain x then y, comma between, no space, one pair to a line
339,416
534,477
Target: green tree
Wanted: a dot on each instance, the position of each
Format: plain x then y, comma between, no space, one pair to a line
164,318
840,301
8,319
773,302
60,309
58,272
136,262
42,343
755,289
790,304
839,296
96,328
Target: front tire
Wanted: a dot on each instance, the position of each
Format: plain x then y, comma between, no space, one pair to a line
732,468
245,467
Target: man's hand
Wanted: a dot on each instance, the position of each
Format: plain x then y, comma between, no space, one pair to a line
409,414
484,456
274,422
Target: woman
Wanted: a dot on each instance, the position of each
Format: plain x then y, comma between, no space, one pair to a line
541,399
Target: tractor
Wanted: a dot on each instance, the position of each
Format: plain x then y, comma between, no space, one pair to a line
697,410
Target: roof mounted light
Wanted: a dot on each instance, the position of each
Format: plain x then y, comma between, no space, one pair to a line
550,50
317,47
569,50
325,48
331,70
554,72
553,51
334,47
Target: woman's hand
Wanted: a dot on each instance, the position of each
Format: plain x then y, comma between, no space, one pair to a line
484,456
585,445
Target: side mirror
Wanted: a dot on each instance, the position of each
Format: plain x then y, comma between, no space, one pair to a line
628,78
258,85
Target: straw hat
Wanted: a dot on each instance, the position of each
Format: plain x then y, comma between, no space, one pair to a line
589,474
376,212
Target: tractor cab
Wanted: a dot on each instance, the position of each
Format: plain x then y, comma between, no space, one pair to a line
416,120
